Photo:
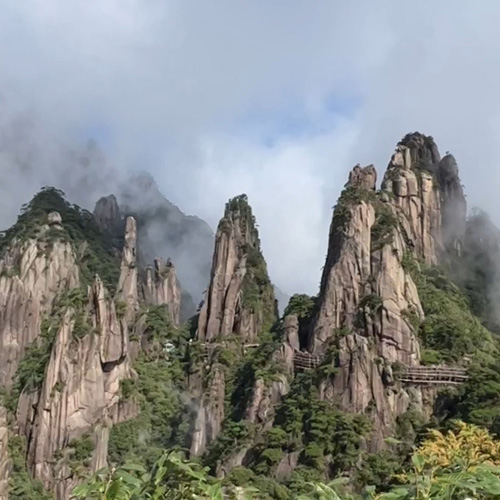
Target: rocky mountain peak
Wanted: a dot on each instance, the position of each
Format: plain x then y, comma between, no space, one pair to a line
238,216
240,298
162,288
239,304
363,177
107,213
418,151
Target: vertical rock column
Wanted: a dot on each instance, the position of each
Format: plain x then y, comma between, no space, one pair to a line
239,302
162,288
127,284
364,300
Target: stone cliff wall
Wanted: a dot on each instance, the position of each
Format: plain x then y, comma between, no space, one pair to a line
239,304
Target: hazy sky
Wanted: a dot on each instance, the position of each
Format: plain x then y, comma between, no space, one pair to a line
274,98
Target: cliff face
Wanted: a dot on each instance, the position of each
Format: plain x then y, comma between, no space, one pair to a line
239,305
65,346
240,298
368,306
79,398
162,288
33,271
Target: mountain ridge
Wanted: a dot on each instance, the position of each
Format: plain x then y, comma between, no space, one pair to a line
99,367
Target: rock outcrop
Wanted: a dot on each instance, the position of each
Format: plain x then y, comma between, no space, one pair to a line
80,395
72,342
32,274
162,288
107,214
127,285
240,298
428,191
363,303
239,304
368,303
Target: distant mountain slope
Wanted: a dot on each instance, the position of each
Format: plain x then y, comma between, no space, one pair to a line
165,231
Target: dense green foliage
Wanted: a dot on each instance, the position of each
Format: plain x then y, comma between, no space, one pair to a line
324,438
450,330
451,333
21,485
461,464
170,477
301,305
94,249
163,420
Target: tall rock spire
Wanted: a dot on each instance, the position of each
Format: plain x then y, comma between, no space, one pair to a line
428,191
127,284
368,302
363,303
162,288
239,304
240,299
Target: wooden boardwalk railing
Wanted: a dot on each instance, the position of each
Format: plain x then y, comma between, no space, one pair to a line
418,375
433,375
303,360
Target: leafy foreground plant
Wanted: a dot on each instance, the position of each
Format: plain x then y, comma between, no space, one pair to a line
171,478
460,464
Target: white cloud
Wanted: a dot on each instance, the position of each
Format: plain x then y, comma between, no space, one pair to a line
174,82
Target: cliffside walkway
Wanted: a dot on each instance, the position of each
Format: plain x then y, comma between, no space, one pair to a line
418,375
433,375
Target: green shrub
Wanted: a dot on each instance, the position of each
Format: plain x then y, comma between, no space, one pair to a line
94,249
21,485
